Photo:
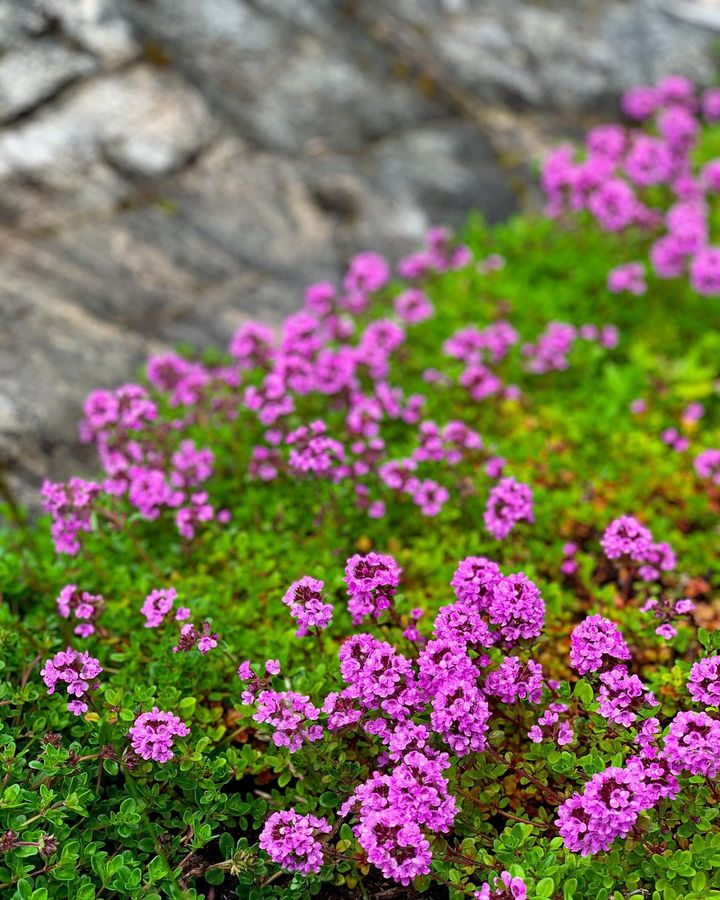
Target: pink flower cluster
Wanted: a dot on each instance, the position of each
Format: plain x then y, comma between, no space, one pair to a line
142,459
625,539
704,681
292,717
505,887
372,581
595,643
152,734
81,605
509,502
617,179
610,803
622,696
707,465
550,352
304,598
441,701
157,605
393,808
665,611
441,254
549,725
290,840
320,353
190,637
569,564
77,671
692,744
513,605
254,684
71,507
627,279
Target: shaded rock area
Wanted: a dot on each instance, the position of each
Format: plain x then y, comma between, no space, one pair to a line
171,167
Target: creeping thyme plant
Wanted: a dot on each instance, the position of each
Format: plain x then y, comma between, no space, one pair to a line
419,594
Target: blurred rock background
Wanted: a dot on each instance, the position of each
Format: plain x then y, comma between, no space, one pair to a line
171,167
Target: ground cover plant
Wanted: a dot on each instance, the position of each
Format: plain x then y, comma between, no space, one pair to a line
419,595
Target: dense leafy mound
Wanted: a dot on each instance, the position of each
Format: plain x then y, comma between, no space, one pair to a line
404,599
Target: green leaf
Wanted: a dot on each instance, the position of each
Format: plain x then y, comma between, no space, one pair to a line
584,692
545,887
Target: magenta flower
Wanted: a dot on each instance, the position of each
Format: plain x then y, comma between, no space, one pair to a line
152,734
594,643
304,598
506,887
292,717
290,840
509,502
692,744
77,671
372,581
704,681
157,605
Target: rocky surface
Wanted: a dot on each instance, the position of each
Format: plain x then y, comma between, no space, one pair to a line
169,167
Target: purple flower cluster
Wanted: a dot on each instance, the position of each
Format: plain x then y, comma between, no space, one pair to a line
665,610
71,507
515,680
704,681
622,696
421,712
516,608
569,564
610,803
81,605
513,605
441,254
552,348
253,684
595,643
505,887
153,475
393,808
621,169
460,714
152,734
292,716
509,502
372,581
549,725
692,744
474,580
707,465
78,671
378,677
190,637
291,840
157,605
304,598
626,537
627,279
413,306
630,542
671,437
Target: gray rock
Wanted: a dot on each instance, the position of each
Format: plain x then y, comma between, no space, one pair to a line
33,71
140,123
18,21
562,55
95,25
285,80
